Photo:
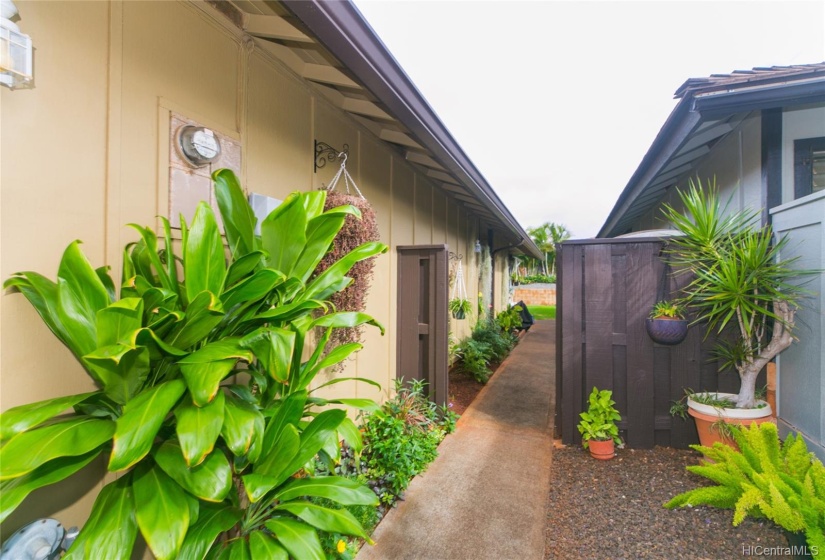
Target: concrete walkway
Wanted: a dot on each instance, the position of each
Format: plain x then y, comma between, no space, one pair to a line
485,495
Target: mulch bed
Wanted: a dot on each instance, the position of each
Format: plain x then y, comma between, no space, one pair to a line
463,389
613,509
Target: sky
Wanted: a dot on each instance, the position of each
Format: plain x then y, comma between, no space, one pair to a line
557,102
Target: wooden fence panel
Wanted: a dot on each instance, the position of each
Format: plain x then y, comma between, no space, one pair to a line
606,288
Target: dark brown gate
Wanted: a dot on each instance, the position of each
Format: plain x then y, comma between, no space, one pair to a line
606,288
422,317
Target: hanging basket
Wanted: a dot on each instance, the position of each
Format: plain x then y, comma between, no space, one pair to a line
459,314
667,331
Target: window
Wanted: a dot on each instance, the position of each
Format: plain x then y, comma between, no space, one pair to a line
809,166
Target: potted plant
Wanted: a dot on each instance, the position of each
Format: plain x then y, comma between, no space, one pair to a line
598,426
765,478
667,323
740,288
459,307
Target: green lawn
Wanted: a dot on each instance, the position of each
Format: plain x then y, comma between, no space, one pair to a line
542,311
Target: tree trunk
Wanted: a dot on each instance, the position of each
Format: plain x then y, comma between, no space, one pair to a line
781,338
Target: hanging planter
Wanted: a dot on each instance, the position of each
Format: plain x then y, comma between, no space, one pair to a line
666,324
355,231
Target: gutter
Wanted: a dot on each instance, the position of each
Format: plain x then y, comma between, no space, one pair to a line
340,28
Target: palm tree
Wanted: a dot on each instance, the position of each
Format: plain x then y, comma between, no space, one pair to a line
546,237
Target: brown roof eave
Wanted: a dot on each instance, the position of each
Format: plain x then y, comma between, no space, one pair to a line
341,29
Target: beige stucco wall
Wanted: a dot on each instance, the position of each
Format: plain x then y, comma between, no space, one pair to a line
86,151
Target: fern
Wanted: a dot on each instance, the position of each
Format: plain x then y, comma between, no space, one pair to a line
782,482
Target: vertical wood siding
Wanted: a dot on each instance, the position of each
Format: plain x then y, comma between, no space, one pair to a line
606,288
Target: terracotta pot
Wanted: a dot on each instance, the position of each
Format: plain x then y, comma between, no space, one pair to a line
602,450
667,331
706,416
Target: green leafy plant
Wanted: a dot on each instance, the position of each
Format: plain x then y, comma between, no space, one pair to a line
667,309
500,342
401,438
460,307
475,359
205,460
737,279
769,479
599,421
509,319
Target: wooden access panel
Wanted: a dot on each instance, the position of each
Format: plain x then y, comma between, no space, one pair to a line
422,317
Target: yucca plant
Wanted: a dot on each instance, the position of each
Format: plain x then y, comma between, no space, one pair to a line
738,280
204,407
766,479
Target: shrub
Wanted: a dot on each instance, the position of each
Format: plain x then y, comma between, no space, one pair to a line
500,342
475,359
401,438
510,319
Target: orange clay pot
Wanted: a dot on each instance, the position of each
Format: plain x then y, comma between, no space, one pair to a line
602,450
710,434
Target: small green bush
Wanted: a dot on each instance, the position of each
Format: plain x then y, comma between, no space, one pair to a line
537,279
475,359
500,342
510,319
401,438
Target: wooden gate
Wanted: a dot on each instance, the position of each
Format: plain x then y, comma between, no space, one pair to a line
422,317
606,288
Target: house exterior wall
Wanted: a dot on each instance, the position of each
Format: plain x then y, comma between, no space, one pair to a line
797,123
800,391
87,151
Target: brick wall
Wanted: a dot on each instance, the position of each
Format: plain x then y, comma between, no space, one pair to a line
533,296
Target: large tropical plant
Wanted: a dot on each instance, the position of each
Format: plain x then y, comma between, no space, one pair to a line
205,408
738,280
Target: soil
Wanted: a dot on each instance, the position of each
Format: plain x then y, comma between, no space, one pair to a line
613,509
463,389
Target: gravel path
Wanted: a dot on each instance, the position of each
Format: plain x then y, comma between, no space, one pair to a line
613,510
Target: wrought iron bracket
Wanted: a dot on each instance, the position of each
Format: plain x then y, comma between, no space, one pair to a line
324,153
455,256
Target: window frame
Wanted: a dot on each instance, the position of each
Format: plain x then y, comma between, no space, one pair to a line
803,149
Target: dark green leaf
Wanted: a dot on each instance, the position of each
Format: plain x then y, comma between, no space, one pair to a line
28,450
203,314
205,369
329,520
299,539
242,267
141,420
121,369
283,234
21,418
111,528
243,428
198,428
264,547
161,509
238,218
204,264
210,481
345,491
13,492
273,347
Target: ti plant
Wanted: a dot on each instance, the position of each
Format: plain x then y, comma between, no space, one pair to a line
205,408
782,482
599,421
